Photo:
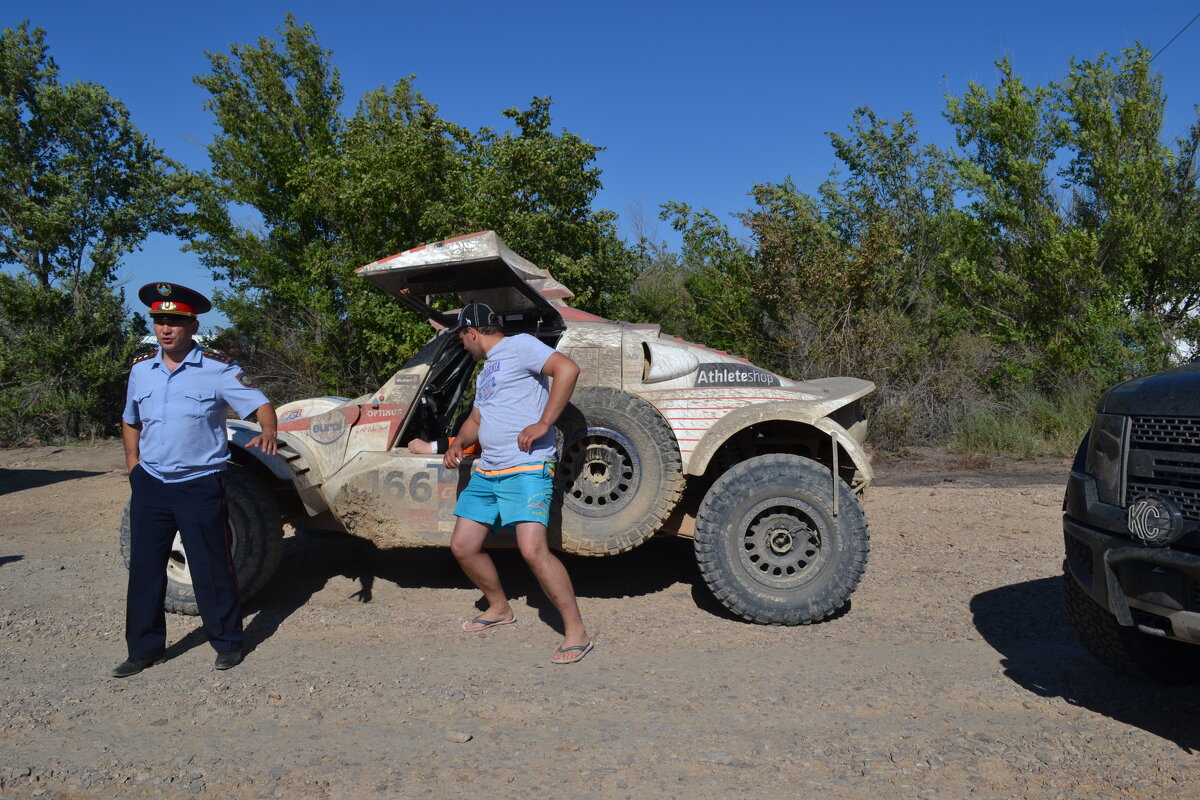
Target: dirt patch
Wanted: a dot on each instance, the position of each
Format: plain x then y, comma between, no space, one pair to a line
951,675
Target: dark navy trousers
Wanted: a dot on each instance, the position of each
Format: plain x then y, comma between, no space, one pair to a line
196,509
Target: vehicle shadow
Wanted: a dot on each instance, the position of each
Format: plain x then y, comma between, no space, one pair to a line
17,480
1027,625
311,560
9,559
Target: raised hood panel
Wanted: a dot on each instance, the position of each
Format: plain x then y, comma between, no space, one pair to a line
478,266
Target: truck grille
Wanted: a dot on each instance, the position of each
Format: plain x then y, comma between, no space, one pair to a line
1165,461
1166,432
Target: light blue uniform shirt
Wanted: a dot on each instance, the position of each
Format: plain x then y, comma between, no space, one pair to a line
183,412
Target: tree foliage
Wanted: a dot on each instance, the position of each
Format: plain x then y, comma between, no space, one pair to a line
1057,247
82,187
322,194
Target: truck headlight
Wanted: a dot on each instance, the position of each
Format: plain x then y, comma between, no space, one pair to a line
1106,456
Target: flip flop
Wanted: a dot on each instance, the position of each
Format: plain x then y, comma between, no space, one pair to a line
486,623
583,649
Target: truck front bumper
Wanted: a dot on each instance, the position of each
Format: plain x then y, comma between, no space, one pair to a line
1156,590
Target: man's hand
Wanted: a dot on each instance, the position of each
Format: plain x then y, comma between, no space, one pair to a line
130,438
267,439
269,444
420,447
454,454
527,437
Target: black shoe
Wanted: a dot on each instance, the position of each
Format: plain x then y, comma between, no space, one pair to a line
132,666
228,660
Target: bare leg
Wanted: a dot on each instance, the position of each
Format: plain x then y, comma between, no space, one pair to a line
467,545
554,580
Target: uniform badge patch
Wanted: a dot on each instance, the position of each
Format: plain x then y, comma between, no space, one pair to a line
244,380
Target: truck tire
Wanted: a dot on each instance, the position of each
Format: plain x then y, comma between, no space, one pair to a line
769,546
257,542
619,471
1127,650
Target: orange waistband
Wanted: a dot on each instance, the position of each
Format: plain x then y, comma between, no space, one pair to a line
491,473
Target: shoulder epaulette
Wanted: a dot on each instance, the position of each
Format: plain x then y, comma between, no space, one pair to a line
140,359
215,356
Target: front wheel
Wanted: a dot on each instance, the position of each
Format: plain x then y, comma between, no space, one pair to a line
770,547
1123,649
256,534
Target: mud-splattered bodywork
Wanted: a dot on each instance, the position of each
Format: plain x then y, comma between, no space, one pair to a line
346,464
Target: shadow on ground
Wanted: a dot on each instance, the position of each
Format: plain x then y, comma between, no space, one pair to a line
16,480
311,560
1027,625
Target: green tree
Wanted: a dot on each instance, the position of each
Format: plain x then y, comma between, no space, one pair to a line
81,188
325,194
1097,286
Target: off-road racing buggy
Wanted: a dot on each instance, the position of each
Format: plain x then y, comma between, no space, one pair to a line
661,437
1131,527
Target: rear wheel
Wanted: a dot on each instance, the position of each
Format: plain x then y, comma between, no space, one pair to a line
1127,650
256,534
770,547
619,471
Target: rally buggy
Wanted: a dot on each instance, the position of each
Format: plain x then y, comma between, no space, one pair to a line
662,437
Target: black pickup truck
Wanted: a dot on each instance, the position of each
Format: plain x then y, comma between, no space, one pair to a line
1131,529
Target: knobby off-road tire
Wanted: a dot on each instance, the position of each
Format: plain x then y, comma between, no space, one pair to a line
619,471
771,549
257,542
1127,650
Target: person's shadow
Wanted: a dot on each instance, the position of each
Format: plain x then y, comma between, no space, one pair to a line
311,560
1027,625
16,480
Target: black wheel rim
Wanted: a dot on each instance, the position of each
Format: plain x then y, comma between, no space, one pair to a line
599,472
780,543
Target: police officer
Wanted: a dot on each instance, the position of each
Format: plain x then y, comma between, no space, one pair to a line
173,429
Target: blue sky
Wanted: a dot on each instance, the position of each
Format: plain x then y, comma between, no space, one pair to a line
694,101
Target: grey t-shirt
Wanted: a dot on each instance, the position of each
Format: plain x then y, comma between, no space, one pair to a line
511,394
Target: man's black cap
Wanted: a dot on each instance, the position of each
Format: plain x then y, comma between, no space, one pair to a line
475,315
173,299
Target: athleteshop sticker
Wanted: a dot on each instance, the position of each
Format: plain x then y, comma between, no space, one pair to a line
733,375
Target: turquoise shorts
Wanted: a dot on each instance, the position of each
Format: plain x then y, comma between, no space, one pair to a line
504,497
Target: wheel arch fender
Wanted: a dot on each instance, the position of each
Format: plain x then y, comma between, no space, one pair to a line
239,435
742,419
291,464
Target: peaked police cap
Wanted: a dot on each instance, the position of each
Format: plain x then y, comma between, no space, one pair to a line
171,298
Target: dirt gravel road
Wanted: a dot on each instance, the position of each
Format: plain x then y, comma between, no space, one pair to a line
952,675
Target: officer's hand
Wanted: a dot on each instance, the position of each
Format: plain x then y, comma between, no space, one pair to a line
267,441
531,434
453,456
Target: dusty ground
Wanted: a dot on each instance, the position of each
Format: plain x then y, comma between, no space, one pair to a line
952,675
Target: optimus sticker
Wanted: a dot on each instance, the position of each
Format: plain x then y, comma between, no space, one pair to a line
383,412
745,376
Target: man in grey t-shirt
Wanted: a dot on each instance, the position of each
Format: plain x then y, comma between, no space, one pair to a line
512,484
